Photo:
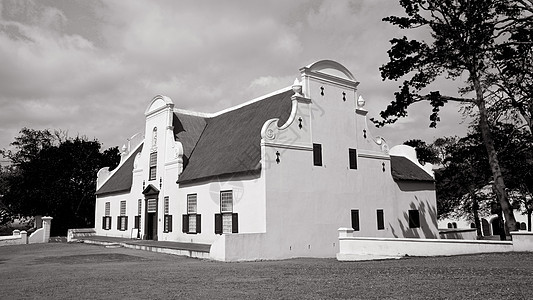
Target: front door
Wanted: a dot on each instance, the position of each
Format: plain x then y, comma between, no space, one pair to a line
150,231
151,226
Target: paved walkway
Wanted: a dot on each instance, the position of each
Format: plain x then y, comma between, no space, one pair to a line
149,243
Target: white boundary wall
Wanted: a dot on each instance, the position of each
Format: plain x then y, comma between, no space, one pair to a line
364,248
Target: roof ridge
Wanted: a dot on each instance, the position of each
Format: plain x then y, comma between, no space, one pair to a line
232,108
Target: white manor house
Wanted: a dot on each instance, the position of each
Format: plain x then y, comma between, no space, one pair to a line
272,178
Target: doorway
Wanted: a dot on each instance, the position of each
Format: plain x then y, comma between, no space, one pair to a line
151,226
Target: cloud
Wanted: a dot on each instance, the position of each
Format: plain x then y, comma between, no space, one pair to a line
91,67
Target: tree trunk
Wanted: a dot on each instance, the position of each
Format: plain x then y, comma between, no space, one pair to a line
499,184
475,212
528,220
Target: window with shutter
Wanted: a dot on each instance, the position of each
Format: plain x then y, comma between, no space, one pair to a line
355,219
317,154
153,166
380,219
192,209
167,225
352,153
414,218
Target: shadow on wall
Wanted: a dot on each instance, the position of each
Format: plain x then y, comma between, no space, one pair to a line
425,213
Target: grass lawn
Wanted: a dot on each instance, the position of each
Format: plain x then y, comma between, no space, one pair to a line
74,271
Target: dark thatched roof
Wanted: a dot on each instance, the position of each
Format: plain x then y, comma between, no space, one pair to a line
121,180
230,143
187,130
404,169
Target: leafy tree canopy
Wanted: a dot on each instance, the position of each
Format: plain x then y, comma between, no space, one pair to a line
55,175
478,43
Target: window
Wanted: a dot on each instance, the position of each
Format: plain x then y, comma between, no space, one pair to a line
151,206
317,154
355,219
192,222
414,218
137,224
352,153
106,220
523,226
227,221
381,221
153,166
122,223
167,226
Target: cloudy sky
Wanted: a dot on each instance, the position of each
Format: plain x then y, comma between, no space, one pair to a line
91,67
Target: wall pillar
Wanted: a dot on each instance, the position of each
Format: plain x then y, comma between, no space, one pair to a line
47,224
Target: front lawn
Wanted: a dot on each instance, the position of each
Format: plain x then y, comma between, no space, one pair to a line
74,271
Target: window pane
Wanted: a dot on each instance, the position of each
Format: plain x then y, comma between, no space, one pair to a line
226,223
226,201
122,208
166,206
192,224
107,208
191,204
139,204
152,205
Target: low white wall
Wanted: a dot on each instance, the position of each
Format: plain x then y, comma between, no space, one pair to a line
74,234
352,248
240,247
18,238
458,234
522,241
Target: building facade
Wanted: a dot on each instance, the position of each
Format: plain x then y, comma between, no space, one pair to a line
272,178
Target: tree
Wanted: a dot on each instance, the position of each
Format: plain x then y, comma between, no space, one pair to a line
463,183
57,178
469,38
424,152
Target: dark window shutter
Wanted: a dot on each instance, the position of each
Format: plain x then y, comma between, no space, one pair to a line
317,154
185,224
103,223
381,221
218,223
137,222
118,223
235,223
355,219
126,223
198,223
353,158
169,223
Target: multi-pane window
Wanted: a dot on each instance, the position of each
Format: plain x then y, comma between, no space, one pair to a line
122,223
153,166
355,219
352,153
138,216
167,226
226,221
380,219
317,154
414,218
192,220
151,206
106,220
